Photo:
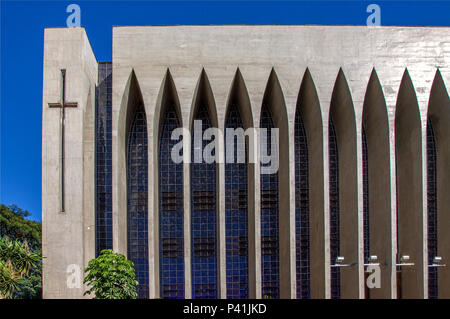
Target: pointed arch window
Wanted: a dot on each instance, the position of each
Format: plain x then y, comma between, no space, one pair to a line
366,225
270,250
301,210
432,211
236,214
137,200
203,219
171,212
103,159
334,209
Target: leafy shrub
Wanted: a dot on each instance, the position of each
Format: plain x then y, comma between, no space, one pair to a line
111,276
17,261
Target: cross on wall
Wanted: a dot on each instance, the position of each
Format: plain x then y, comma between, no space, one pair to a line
62,104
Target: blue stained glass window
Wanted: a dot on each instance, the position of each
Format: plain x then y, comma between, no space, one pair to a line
103,159
203,220
270,250
171,212
137,197
365,160
334,209
236,216
301,210
432,211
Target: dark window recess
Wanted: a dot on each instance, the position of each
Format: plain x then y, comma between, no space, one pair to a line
243,246
237,198
270,259
269,199
171,290
172,247
137,196
172,201
334,209
432,211
204,247
204,200
103,159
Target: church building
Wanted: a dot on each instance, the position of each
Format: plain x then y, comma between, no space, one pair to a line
357,207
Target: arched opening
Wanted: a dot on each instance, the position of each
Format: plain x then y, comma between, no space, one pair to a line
203,175
239,197
343,192
171,204
274,193
103,159
137,187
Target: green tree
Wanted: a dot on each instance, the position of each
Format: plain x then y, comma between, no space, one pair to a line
31,286
17,261
13,224
111,276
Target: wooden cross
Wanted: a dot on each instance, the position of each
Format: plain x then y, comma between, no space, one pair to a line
62,104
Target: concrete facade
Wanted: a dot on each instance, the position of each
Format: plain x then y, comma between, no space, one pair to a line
320,70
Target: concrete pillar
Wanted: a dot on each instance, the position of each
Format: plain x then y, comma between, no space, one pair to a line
408,137
343,116
376,127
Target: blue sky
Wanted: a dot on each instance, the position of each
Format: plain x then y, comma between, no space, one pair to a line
23,23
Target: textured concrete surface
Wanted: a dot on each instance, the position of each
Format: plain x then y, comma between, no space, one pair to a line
376,127
68,237
141,58
220,50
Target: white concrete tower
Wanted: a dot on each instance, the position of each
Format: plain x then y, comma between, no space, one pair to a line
68,103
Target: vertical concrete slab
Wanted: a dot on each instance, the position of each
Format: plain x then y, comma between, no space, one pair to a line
68,237
410,235
376,126
343,116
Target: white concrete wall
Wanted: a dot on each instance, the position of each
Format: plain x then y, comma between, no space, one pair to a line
185,50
